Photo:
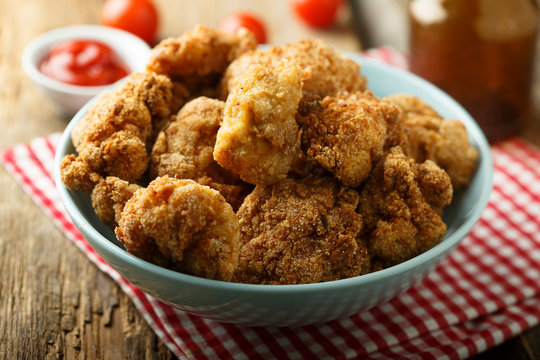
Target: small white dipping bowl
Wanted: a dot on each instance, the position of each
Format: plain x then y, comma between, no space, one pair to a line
70,98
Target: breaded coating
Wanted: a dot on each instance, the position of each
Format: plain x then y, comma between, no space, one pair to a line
435,185
303,166
412,105
200,56
113,137
155,91
327,180
398,221
443,141
325,72
180,95
184,149
109,197
300,231
446,143
114,144
345,134
259,139
182,225
266,58
76,174
395,123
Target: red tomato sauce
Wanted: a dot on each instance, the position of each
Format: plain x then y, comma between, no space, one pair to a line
83,62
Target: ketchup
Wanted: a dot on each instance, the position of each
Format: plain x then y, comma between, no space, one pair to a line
83,62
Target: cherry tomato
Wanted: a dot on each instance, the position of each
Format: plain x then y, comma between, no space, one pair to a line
241,19
83,62
317,13
139,17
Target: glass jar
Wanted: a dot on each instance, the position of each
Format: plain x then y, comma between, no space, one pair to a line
482,53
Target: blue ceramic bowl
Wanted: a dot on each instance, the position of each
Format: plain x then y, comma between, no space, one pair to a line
288,305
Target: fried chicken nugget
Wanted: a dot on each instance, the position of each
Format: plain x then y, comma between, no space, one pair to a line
446,143
268,57
258,138
412,105
115,145
154,91
395,123
184,149
112,138
435,185
346,134
199,56
443,141
300,231
183,225
109,197
398,221
325,72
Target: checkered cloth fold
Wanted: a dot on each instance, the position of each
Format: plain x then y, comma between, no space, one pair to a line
486,292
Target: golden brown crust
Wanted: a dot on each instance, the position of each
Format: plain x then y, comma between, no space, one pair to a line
300,231
112,138
258,139
303,166
200,56
109,197
266,58
324,71
443,141
184,149
412,105
345,134
155,91
298,123
77,174
446,143
399,222
435,185
183,225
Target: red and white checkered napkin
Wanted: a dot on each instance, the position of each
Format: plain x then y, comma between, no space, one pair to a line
486,292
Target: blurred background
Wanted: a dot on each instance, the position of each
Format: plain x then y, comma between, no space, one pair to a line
480,51
49,283
381,22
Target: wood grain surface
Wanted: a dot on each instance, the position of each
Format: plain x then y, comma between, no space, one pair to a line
54,304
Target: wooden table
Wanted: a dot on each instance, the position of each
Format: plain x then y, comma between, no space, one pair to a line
53,302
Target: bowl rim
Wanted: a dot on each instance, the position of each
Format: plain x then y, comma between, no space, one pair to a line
47,39
485,169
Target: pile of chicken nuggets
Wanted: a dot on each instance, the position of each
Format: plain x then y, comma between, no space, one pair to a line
266,166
